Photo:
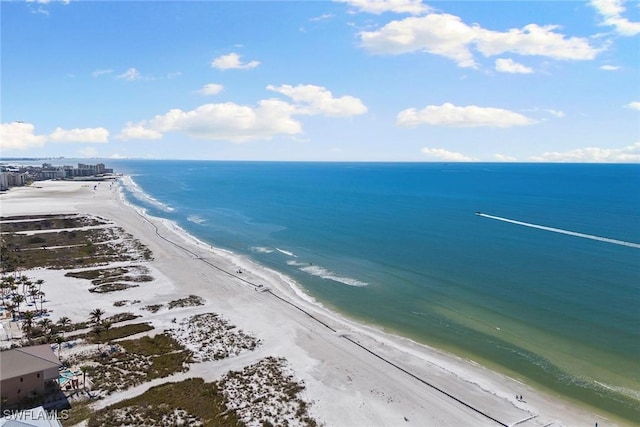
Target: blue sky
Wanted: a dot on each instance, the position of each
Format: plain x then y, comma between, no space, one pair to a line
350,80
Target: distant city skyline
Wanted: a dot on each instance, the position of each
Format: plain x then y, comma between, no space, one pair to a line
347,80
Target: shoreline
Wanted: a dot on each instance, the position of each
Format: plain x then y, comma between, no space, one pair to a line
342,363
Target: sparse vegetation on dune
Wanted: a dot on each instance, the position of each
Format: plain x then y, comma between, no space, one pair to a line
190,301
266,394
193,402
133,362
262,394
210,337
70,245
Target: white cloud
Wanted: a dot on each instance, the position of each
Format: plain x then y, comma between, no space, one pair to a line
313,99
211,89
609,67
94,135
535,40
226,121
442,154
438,34
510,66
322,17
131,74
446,35
138,131
20,136
98,73
629,154
635,105
555,113
448,114
503,158
232,61
611,12
174,74
377,7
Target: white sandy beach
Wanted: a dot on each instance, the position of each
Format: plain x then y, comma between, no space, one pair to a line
384,381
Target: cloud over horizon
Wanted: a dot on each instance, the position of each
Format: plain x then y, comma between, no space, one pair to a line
447,35
445,155
86,135
241,123
312,99
628,154
225,121
448,114
21,136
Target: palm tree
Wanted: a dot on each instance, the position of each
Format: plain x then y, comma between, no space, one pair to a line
59,340
17,299
64,322
84,369
33,292
26,283
39,282
45,324
41,295
96,315
97,329
106,326
27,323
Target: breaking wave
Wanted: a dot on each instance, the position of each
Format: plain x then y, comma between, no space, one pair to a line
196,219
282,251
139,194
261,249
316,270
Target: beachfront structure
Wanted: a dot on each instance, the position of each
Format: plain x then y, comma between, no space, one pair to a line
12,179
25,371
16,176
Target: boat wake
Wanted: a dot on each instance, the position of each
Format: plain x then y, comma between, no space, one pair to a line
561,231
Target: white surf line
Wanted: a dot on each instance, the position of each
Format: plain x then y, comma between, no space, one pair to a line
561,231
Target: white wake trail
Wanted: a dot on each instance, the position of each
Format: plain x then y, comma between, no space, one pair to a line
561,231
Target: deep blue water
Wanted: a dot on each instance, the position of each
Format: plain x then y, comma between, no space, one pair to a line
401,246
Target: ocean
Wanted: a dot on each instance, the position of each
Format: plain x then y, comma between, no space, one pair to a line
529,269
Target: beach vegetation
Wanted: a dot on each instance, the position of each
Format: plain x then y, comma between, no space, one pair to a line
125,302
111,287
96,315
118,332
75,242
190,301
189,402
132,362
154,307
78,412
212,337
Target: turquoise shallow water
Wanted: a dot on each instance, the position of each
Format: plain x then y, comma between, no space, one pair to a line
401,246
